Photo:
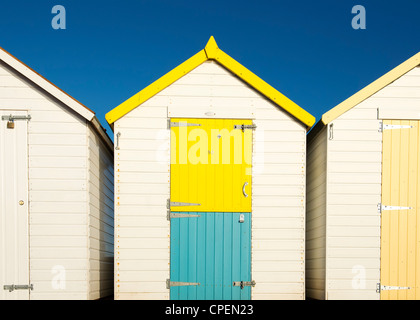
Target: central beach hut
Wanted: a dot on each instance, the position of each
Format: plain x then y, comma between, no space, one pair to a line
210,166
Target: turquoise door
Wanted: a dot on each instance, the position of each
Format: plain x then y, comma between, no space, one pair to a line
213,250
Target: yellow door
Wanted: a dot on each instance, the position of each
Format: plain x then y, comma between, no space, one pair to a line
211,165
400,232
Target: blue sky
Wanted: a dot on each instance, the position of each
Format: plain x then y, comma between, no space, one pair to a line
307,50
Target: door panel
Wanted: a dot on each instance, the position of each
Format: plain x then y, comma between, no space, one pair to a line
211,165
213,250
14,252
400,232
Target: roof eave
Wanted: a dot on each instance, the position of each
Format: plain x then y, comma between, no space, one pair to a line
46,85
371,89
212,52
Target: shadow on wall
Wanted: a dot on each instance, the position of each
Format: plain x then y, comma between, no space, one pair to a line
102,225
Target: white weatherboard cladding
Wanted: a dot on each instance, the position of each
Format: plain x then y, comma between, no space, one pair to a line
142,172
354,189
58,190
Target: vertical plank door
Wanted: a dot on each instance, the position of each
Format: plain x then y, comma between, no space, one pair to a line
211,165
210,252
14,247
400,232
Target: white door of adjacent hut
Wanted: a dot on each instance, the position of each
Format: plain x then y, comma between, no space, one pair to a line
14,237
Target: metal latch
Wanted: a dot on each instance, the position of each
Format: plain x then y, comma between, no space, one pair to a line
14,118
11,120
243,284
12,287
245,126
381,208
380,288
170,284
117,145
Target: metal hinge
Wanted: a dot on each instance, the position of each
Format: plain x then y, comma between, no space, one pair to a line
171,215
12,287
383,126
180,204
243,284
182,215
380,288
182,124
170,284
381,208
245,126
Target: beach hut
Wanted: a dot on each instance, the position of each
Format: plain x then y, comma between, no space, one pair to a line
210,166
362,233
56,192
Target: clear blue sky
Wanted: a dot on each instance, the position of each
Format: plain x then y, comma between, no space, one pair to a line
307,50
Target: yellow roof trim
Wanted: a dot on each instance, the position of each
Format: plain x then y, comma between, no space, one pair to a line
155,87
371,89
212,52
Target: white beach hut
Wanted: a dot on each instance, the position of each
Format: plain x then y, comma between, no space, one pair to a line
363,193
204,228
56,192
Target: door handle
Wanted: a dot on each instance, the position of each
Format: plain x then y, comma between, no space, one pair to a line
243,189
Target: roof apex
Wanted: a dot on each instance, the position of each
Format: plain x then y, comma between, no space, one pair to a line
211,48
212,52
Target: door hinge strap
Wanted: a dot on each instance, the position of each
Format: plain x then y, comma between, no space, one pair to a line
14,118
243,284
383,126
183,215
381,208
13,287
245,126
380,288
181,204
170,284
183,124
